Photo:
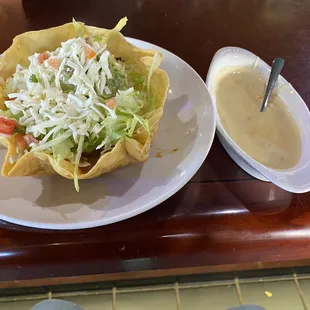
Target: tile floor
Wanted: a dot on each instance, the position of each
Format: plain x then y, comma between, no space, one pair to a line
156,300
273,294
213,298
284,296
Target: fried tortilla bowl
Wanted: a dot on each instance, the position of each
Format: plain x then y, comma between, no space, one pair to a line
127,150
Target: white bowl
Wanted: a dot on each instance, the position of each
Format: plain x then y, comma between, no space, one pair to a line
295,179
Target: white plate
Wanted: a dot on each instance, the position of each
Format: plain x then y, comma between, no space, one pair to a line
52,203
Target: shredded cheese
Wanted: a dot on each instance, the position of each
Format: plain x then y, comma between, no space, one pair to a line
47,107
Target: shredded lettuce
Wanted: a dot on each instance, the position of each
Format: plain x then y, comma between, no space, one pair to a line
137,80
6,113
52,143
97,39
85,103
155,63
62,150
33,79
121,24
66,87
78,28
77,162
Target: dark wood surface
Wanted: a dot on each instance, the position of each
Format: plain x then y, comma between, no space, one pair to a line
223,219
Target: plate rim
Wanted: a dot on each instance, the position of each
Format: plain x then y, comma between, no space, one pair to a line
146,207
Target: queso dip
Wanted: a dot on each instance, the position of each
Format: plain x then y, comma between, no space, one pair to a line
271,137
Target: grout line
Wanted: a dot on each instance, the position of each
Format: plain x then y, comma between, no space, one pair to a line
82,293
177,294
264,280
171,287
202,285
303,276
114,298
238,291
301,295
22,298
145,289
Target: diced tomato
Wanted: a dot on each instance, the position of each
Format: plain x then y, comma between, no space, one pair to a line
30,139
111,103
42,57
89,53
7,126
20,141
53,63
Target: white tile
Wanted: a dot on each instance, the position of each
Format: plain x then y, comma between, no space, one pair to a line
92,302
157,300
305,288
18,305
284,295
209,298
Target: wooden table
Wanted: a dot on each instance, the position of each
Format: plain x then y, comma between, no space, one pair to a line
223,219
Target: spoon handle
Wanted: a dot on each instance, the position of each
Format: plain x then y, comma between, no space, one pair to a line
276,68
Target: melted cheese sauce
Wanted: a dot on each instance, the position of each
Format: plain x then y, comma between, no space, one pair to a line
272,137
